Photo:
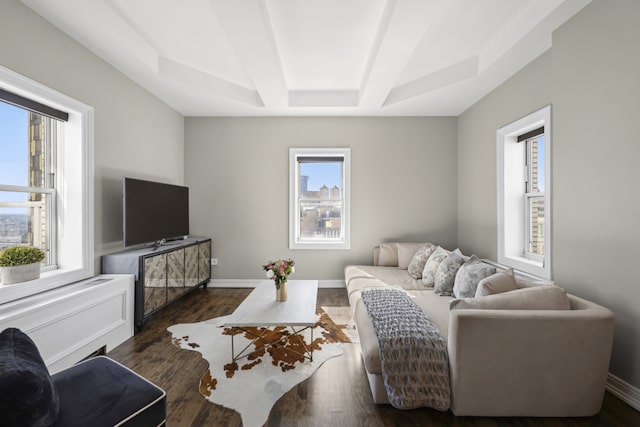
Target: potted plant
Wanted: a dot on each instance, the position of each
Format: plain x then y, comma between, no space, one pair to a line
19,264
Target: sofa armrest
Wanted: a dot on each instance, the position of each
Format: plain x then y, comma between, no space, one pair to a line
530,362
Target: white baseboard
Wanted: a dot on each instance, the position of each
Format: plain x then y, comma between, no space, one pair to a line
624,391
251,283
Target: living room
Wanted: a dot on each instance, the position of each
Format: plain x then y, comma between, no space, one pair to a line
414,178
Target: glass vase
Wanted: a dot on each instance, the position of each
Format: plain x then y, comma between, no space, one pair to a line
281,293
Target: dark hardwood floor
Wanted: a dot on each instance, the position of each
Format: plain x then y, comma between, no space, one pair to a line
335,395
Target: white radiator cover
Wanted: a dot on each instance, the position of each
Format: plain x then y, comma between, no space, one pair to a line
71,322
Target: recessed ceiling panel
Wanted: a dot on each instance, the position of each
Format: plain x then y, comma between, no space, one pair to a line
186,32
314,57
324,44
458,33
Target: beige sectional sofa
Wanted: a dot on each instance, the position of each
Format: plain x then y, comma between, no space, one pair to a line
504,361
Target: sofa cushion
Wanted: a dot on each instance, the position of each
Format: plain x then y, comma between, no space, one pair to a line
100,392
356,285
355,271
434,306
416,266
469,275
547,297
390,276
406,252
359,283
446,273
496,283
431,266
27,394
388,255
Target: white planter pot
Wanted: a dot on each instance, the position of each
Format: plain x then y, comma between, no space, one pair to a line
19,273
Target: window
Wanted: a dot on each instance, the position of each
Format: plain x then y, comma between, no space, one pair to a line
524,201
27,184
46,184
319,198
534,193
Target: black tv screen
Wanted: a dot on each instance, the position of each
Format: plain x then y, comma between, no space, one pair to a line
153,211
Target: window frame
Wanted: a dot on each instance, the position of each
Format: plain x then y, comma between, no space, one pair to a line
74,189
295,242
513,217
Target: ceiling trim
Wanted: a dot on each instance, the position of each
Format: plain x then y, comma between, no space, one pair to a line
406,22
442,78
206,82
249,31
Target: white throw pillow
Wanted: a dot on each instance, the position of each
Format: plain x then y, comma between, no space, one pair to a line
431,266
416,266
496,283
547,297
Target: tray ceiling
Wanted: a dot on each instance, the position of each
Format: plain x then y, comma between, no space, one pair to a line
310,58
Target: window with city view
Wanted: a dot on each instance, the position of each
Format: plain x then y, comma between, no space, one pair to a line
524,194
46,181
319,202
534,196
27,193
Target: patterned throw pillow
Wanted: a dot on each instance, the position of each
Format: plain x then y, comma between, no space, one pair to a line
469,275
496,284
416,266
431,266
446,273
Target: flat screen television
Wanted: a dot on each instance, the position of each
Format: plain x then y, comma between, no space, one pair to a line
154,212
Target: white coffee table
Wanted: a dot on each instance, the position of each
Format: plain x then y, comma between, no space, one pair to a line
260,309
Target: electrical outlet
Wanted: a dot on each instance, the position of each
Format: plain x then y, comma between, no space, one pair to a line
214,261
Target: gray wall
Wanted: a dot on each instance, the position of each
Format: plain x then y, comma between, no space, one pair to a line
524,93
403,173
135,133
590,76
596,86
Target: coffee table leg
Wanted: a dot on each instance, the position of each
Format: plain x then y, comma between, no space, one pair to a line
233,354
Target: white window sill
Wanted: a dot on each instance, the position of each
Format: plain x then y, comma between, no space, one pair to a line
319,245
47,281
527,265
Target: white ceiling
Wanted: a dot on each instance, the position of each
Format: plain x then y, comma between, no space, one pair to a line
314,57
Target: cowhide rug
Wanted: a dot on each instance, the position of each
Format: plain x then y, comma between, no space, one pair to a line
253,385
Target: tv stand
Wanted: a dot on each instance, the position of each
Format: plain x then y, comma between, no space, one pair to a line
162,273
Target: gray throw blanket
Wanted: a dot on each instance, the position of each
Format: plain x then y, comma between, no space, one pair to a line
413,352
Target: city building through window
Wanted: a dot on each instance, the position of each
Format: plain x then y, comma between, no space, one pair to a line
319,198
524,194
534,195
